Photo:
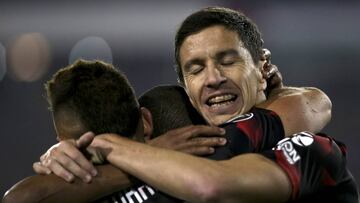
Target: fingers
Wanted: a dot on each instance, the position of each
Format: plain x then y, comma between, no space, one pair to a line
270,70
66,161
40,169
85,140
274,76
58,169
203,145
64,166
207,131
201,140
197,140
208,141
266,54
199,151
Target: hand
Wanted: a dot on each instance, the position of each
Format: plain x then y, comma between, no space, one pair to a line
66,160
271,73
196,140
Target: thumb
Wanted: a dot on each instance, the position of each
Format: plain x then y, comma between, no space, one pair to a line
102,145
85,140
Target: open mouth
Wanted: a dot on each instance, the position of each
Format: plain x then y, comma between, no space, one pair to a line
220,100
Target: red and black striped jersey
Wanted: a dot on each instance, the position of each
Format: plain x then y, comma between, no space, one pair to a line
316,168
317,171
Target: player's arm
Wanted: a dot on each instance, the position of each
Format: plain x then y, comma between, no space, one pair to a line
66,161
245,178
52,189
273,176
300,108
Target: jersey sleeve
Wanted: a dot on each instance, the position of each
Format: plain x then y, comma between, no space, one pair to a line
256,131
313,163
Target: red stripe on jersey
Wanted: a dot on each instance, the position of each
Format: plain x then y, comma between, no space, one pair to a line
327,179
292,172
252,130
343,149
325,143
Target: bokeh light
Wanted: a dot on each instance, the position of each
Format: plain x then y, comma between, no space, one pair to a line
29,57
91,48
2,62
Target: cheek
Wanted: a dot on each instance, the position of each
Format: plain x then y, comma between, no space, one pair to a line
250,89
192,89
245,81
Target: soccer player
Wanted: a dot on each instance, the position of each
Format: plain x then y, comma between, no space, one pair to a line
228,87
94,96
218,54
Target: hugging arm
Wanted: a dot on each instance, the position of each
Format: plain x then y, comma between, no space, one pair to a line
297,167
300,108
53,189
244,178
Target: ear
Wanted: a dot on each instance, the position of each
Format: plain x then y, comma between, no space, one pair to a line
262,75
147,122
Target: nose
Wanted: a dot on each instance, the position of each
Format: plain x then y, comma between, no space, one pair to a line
214,77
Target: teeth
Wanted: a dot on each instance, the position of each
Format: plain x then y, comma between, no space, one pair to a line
219,104
220,99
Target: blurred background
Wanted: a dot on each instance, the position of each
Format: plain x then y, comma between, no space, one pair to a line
314,43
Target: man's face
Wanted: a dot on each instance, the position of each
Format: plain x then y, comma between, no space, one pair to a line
220,76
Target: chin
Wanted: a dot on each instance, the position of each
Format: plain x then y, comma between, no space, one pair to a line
218,121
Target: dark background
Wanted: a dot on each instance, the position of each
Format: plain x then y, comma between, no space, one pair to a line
314,43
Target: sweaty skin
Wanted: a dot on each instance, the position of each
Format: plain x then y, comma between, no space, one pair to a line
220,76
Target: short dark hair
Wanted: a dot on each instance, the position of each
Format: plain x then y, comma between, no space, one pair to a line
170,108
231,19
99,94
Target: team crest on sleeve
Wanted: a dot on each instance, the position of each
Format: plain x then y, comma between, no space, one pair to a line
239,118
303,139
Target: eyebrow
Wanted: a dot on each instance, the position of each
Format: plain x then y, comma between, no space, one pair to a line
219,55
222,54
191,62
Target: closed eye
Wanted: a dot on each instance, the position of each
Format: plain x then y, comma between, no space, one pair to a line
194,66
227,62
227,57
195,69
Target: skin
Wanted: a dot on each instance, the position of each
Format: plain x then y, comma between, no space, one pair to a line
215,63
216,77
244,178
104,179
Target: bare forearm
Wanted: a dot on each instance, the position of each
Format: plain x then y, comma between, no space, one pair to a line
200,180
51,188
300,108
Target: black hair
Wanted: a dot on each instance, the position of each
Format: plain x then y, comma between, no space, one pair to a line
231,19
170,108
99,94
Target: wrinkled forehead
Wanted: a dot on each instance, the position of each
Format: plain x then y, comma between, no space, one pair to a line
211,42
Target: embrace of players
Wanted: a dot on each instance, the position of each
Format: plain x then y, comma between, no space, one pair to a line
230,133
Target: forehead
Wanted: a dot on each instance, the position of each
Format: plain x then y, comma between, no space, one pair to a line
210,41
